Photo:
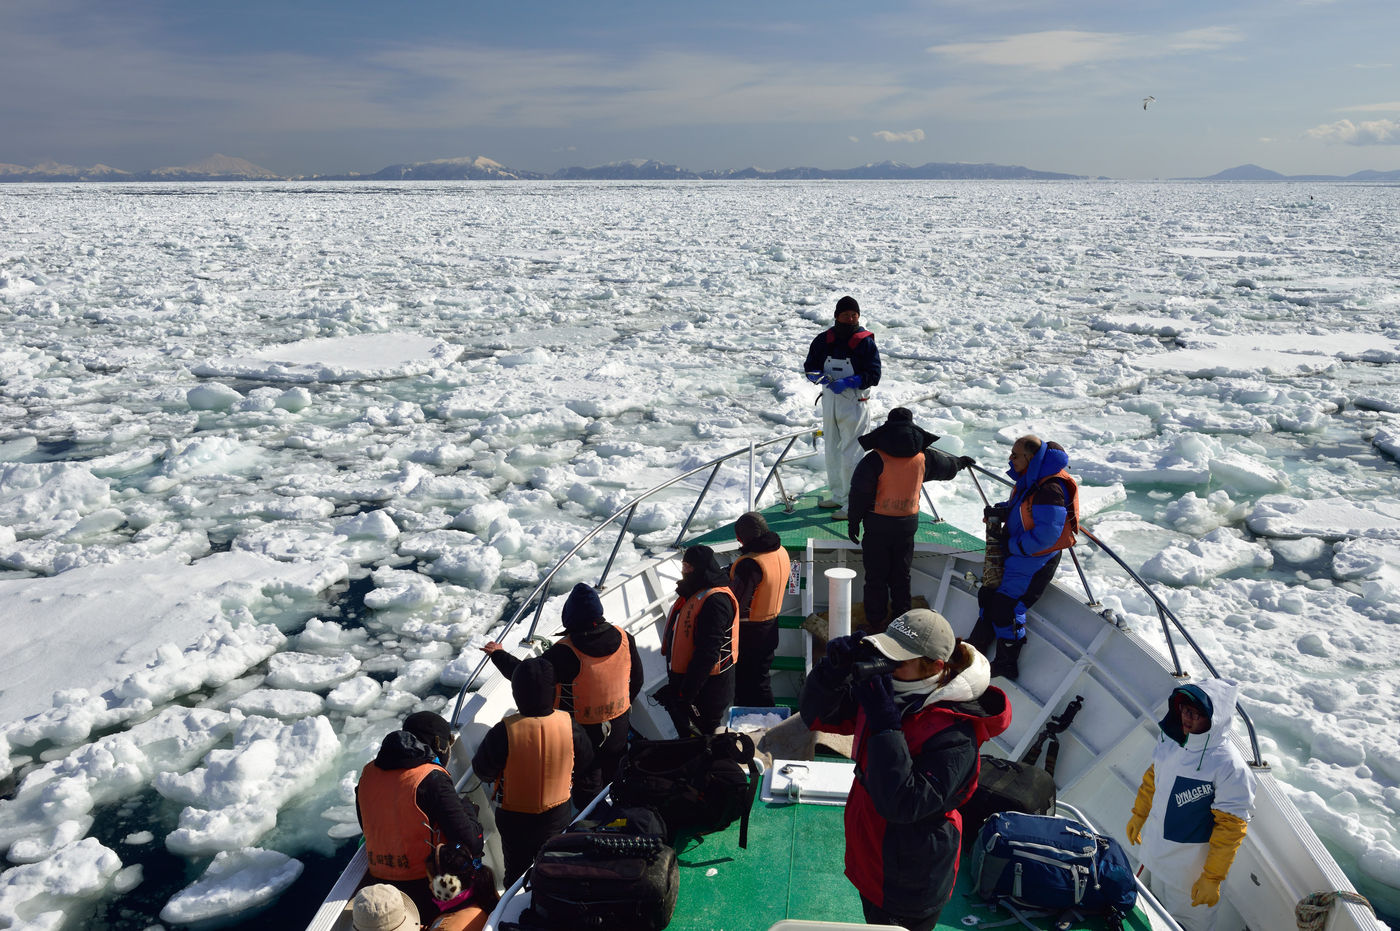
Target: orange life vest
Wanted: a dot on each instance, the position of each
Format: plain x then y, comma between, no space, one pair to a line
398,835
680,645
1067,535
600,691
539,766
772,583
897,488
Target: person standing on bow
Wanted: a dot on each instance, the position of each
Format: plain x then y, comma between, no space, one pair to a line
532,756
700,644
845,362
885,499
1193,807
918,730
1039,523
407,805
758,578
597,675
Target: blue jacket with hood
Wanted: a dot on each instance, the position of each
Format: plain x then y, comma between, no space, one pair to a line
1047,509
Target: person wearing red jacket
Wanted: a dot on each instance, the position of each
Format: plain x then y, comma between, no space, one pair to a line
918,730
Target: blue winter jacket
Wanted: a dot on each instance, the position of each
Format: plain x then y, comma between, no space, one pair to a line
1047,506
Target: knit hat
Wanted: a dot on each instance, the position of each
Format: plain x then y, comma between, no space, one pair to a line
900,414
583,608
750,526
916,633
532,684
384,908
701,557
429,728
847,303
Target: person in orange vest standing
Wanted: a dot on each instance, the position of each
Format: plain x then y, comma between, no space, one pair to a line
531,756
1039,523
407,805
844,360
758,577
700,643
597,674
885,501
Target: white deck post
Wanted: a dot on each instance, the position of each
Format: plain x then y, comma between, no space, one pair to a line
838,601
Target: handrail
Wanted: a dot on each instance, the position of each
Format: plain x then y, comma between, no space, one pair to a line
537,598
1164,614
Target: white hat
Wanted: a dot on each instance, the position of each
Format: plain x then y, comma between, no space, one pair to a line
384,908
916,633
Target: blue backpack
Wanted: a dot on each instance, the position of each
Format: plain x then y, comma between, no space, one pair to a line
1052,863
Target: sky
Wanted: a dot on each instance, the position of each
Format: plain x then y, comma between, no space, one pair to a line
1298,86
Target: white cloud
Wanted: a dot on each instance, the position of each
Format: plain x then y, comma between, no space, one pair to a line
1371,132
1393,107
853,138
913,135
1056,49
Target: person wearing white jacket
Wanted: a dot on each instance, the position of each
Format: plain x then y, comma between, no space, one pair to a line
1193,807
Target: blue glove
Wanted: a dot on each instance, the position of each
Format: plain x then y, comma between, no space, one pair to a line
815,377
876,696
841,384
840,651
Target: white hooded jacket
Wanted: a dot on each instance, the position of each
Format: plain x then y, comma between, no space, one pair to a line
1190,780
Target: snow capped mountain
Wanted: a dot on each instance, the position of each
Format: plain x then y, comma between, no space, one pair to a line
214,168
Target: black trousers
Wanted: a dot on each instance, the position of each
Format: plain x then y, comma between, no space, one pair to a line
887,549
758,641
715,697
875,915
609,741
523,834
1002,613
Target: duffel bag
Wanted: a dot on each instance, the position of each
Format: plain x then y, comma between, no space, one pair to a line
1052,863
584,879
1006,785
697,784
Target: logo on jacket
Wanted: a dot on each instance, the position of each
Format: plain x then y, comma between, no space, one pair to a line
1182,799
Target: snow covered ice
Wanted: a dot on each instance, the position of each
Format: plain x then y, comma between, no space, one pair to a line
275,458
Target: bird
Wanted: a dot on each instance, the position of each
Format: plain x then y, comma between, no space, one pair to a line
1146,101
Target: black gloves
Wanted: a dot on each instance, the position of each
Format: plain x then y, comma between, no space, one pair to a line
853,531
966,462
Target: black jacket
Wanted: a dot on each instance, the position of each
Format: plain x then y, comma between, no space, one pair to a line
713,627
602,639
436,795
902,439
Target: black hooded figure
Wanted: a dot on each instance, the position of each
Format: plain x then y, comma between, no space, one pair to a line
885,491
700,644
532,762
588,637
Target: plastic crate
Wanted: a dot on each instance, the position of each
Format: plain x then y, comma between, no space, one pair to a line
741,711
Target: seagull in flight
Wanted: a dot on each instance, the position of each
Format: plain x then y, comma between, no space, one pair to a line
1146,101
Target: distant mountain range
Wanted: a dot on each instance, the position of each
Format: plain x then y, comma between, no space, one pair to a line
480,168
1255,173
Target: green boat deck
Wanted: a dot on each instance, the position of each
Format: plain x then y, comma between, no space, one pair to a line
794,868
807,521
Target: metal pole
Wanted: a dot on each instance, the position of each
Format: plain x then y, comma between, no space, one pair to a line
691,516
1084,580
936,518
751,467
773,473
626,522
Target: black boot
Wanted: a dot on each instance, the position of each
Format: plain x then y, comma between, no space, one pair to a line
1007,662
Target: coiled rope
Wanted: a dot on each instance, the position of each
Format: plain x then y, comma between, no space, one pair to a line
1312,910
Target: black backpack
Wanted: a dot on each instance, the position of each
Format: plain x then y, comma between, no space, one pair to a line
1006,785
602,879
697,784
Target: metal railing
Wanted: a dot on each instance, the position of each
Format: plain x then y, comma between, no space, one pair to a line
1164,614
536,599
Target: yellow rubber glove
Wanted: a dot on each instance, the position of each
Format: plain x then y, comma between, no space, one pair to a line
1225,840
1141,806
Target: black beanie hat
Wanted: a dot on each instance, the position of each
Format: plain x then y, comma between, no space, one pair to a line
847,303
532,684
750,526
900,414
583,608
701,557
429,728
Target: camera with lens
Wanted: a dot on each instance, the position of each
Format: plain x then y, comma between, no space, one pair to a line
869,663
995,517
